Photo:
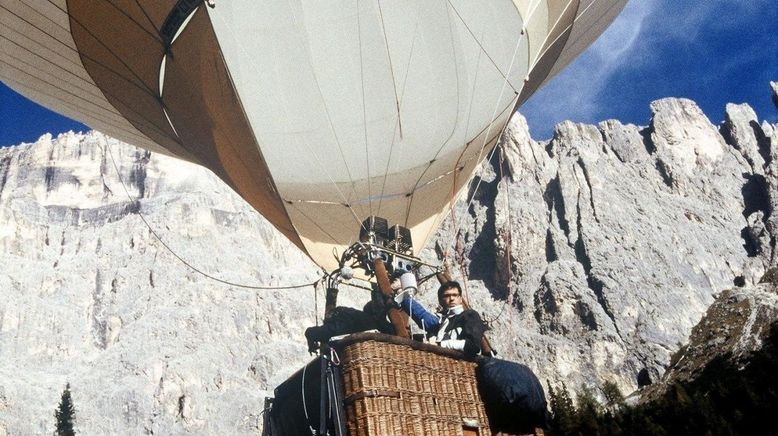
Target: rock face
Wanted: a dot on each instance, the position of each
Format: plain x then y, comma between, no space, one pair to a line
592,255
734,326
92,297
618,237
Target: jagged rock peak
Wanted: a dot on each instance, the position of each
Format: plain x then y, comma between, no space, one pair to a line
577,139
742,130
683,136
523,155
626,141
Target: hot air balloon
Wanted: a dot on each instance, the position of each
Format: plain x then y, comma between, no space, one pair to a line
340,121
319,114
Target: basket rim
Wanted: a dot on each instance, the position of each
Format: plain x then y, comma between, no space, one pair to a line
354,338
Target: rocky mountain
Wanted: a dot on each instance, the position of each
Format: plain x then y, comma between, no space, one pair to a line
133,276
734,327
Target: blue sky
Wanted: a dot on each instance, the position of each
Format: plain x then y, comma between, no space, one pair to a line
711,51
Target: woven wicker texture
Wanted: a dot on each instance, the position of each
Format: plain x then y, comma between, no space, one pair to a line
392,389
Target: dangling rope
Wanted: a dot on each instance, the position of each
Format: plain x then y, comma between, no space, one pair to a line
184,261
457,224
316,304
509,246
579,16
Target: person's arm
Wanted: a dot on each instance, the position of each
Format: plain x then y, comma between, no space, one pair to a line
421,316
454,344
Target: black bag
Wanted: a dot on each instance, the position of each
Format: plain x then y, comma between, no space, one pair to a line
512,394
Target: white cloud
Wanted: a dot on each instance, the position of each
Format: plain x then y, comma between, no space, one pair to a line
646,31
574,94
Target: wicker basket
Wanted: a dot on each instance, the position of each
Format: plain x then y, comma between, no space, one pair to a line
394,386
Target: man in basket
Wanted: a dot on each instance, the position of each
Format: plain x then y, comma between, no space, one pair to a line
453,326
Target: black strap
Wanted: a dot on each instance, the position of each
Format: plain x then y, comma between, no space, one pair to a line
323,396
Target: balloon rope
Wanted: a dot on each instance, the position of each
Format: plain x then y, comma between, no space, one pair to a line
478,184
182,260
329,119
458,223
398,98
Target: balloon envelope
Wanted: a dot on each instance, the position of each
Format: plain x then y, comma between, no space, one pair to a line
318,113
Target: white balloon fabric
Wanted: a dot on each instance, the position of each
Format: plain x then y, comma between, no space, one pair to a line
318,113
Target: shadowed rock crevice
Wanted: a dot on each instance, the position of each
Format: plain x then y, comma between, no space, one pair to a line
647,142
481,258
665,173
55,177
584,313
595,284
96,216
749,243
585,171
551,254
755,195
5,166
757,240
138,173
763,143
556,203
103,171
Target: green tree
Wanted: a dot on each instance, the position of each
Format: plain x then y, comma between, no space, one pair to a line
65,414
613,396
589,411
564,417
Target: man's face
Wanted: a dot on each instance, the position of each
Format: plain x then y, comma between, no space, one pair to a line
451,298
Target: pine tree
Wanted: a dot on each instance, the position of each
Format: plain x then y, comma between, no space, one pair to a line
65,414
589,411
613,396
565,418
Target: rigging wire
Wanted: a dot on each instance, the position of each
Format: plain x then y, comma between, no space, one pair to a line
364,108
184,261
452,202
309,54
458,223
509,297
509,248
483,49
